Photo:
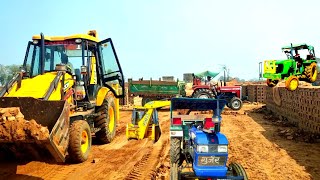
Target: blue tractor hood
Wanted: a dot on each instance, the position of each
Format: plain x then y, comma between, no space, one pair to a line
203,138
195,104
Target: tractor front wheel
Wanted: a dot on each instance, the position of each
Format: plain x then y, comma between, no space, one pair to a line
292,83
79,141
272,83
203,94
238,170
235,103
106,121
311,72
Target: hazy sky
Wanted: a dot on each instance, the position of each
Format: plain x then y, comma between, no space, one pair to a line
169,37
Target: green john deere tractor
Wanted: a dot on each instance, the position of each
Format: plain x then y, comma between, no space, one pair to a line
294,68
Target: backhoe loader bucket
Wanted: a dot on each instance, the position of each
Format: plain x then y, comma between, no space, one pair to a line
49,131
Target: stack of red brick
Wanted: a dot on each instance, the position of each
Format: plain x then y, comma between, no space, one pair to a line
257,93
301,107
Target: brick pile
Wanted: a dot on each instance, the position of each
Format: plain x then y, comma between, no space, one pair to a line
300,107
257,93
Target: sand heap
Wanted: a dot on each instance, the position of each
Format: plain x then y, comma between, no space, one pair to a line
13,127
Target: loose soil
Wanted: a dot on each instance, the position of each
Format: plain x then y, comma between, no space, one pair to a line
255,142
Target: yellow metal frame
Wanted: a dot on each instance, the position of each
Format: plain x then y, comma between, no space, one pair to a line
144,128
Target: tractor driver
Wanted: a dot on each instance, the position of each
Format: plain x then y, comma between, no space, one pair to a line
298,60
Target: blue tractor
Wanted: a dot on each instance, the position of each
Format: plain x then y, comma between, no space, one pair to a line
197,148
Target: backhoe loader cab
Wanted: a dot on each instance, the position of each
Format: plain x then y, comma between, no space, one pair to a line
71,86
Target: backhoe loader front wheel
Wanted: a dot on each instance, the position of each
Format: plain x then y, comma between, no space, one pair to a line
106,121
311,72
79,141
292,83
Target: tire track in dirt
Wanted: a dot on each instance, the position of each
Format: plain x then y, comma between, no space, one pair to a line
261,158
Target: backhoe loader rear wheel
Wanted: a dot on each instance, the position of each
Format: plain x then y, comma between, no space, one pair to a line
311,72
79,141
272,83
238,170
292,83
106,121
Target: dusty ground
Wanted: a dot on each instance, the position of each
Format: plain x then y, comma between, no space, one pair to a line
255,142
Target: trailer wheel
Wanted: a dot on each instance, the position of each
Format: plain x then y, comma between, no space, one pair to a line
238,170
311,72
235,103
79,141
175,150
203,94
106,121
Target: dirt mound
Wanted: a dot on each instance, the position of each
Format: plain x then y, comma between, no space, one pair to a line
13,127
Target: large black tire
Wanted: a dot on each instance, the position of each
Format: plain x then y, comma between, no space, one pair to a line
203,93
79,141
175,150
311,72
238,170
235,103
107,121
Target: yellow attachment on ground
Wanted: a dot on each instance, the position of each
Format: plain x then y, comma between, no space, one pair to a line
37,87
144,127
269,66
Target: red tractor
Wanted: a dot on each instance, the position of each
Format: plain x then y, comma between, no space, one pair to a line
207,89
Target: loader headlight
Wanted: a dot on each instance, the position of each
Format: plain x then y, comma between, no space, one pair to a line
223,148
35,41
202,148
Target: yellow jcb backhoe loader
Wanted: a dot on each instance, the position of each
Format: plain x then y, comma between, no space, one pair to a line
70,85
144,121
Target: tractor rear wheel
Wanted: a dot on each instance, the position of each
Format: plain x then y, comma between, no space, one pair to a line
175,150
272,83
174,172
80,141
203,94
106,121
311,72
292,83
235,103
238,170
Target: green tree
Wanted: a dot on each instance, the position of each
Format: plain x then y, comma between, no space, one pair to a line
7,72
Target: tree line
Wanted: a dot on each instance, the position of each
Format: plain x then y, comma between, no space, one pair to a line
7,72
